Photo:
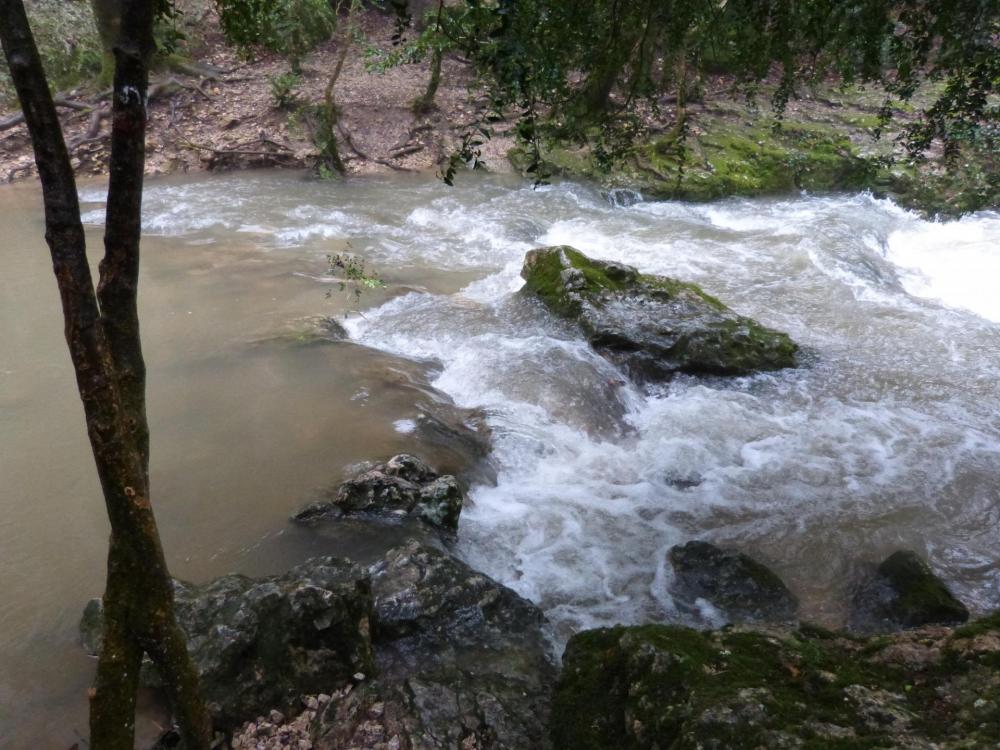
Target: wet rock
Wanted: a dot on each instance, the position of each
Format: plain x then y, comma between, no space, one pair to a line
880,709
420,651
656,686
903,593
404,485
653,326
463,663
260,643
743,589
91,625
464,443
278,732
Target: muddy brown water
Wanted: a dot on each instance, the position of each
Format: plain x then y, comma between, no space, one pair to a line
252,411
887,437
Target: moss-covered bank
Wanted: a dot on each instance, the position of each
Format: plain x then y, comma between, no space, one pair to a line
825,144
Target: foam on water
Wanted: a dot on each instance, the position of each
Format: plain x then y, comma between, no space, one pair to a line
887,437
957,263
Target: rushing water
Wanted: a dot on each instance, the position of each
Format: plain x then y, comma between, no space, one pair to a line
888,436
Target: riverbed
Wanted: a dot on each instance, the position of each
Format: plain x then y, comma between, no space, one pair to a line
887,436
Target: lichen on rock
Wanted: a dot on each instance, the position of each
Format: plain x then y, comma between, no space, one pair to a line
463,663
260,643
657,686
403,485
417,651
652,326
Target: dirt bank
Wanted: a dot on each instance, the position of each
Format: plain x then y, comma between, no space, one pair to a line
221,113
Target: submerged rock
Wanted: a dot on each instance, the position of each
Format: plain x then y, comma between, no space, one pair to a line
463,663
743,589
656,686
653,326
903,593
404,485
260,643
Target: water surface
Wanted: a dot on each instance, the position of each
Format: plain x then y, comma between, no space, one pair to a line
888,436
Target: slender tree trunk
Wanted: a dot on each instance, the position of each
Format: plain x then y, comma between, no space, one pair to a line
681,74
107,18
425,102
327,126
102,333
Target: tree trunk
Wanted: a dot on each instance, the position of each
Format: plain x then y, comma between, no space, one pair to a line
597,90
102,333
326,133
425,102
107,18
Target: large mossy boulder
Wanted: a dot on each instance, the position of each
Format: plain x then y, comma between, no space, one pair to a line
653,326
403,485
655,687
741,588
903,593
258,644
463,663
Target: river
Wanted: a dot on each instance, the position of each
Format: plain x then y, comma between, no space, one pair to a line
887,436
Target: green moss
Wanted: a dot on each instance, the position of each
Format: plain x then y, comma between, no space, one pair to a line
709,338
922,596
726,158
542,279
978,627
660,686
737,346
825,144
808,630
674,288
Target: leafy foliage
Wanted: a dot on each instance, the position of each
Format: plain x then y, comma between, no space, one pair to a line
352,274
283,90
583,70
289,27
67,41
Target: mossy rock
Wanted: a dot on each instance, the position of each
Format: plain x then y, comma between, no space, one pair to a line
903,593
652,326
743,589
656,686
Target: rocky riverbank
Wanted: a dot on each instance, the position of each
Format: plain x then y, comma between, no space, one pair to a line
420,651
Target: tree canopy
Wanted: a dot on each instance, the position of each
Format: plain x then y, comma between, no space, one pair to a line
581,69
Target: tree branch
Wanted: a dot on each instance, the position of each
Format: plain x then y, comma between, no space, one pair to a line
119,269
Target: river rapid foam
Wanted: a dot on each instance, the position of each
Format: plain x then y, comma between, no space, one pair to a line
886,437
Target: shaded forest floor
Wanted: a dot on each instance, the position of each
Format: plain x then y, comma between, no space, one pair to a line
218,111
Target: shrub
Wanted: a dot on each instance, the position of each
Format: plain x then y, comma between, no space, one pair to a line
67,41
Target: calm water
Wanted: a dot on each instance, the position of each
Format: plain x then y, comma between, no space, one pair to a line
889,436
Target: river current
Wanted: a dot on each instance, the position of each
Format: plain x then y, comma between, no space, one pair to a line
887,436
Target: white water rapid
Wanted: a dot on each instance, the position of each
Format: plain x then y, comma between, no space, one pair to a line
887,436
